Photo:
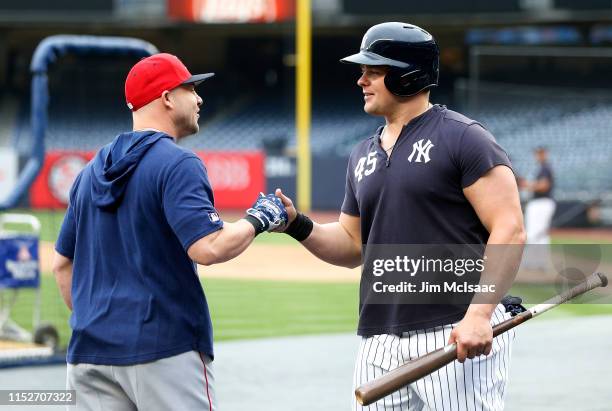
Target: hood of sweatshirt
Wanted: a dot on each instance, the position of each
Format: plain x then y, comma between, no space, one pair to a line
115,163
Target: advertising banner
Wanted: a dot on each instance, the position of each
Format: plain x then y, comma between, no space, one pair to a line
232,11
52,186
236,177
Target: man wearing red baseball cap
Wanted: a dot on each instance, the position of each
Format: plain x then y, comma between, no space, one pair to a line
161,82
140,214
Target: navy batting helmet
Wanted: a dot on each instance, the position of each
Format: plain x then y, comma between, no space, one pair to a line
410,52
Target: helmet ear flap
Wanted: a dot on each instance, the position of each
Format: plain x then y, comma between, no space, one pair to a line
392,80
406,83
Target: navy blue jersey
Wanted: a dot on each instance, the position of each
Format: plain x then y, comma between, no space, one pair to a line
415,196
545,172
134,211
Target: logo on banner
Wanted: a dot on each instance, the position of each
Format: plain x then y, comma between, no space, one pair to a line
63,173
421,150
24,268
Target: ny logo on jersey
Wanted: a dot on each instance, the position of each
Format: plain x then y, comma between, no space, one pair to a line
421,150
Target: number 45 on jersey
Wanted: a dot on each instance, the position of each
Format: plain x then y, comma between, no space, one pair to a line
369,162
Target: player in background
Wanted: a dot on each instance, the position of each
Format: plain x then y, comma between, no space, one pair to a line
428,176
539,211
140,214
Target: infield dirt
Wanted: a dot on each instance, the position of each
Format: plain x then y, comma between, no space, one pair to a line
290,262
259,262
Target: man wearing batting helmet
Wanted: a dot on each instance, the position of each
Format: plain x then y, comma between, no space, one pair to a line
428,176
140,214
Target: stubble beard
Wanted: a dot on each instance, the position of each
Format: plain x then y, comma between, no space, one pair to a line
189,126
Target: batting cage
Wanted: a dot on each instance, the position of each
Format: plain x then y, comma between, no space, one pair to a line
74,109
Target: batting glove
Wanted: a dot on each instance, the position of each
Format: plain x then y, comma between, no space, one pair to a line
267,213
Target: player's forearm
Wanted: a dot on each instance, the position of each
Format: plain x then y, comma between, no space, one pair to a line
503,251
509,230
332,244
63,278
223,245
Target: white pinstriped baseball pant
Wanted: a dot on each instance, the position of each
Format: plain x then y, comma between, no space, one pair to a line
477,384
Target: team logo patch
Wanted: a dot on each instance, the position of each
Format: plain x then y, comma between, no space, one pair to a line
421,150
63,173
214,217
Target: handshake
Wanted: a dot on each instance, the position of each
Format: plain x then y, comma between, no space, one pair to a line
267,213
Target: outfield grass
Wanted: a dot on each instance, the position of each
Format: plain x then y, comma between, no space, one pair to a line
50,222
254,309
53,310
275,238
239,309
584,305
561,239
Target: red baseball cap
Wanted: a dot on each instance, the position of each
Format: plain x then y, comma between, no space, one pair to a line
153,75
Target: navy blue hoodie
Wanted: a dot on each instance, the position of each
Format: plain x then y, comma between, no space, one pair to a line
114,164
134,212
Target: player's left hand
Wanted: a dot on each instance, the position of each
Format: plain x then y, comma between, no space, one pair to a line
473,336
291,211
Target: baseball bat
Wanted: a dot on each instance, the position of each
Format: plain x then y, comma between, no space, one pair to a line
408,373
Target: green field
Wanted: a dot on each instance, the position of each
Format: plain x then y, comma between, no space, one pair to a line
255,309
240,309
50,222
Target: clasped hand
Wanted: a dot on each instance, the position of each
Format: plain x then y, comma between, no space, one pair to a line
269,210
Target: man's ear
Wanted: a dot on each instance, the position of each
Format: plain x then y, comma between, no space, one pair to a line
166,99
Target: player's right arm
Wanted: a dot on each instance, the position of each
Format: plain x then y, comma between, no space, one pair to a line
187,202
65,247
224,244
62,269
337,243
266,214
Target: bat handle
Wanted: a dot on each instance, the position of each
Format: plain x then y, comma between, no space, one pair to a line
450,347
